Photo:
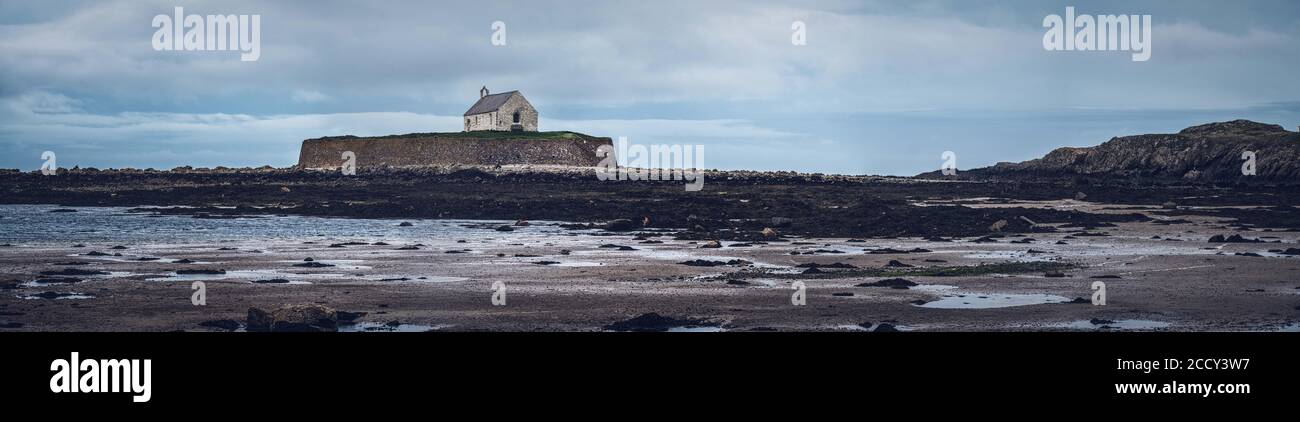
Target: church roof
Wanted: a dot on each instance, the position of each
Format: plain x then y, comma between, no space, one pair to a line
489,103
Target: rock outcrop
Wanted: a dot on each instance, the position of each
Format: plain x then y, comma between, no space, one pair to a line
293,318
463,148
1209,153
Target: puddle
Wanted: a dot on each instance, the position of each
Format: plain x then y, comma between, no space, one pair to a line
418,279
932,287
1121,324
991,300
372,327
60,297
246,275
704,329
577,264
1014,256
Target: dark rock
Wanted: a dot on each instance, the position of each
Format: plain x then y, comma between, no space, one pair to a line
1054,275
885,328
707,263
893,283
837,265
272,281
893,263
56,295
1236,238
1098,321
200,272
652,322
293,318
224,324
842,294
885,251
59,280
348,317
621,225
74,272
313,264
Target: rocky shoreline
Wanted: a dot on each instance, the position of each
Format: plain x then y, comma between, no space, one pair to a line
733,205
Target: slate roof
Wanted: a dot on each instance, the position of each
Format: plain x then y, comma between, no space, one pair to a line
489,103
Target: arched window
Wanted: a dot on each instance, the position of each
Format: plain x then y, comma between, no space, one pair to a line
516,117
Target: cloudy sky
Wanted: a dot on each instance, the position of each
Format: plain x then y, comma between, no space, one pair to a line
881,87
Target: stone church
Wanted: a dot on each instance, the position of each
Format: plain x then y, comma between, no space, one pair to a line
507,111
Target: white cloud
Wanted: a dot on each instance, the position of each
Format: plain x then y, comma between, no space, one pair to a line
309,96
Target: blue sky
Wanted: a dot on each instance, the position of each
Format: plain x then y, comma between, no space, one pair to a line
882,87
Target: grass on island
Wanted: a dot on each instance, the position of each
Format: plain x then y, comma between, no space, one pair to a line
479,134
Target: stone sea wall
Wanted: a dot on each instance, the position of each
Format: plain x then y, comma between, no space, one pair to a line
497,148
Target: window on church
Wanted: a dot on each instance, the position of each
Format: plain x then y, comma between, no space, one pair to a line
516,117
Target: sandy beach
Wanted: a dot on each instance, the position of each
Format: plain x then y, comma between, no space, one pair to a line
421,275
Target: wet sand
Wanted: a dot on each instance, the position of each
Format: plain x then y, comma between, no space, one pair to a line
1185,285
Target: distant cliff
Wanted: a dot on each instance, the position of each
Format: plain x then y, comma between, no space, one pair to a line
478,148
1209,153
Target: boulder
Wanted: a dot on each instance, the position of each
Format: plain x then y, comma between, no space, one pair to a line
293,318
620,225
